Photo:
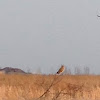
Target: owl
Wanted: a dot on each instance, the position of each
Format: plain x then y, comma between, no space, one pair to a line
61,69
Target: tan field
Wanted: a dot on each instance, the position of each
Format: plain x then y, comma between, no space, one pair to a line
49,87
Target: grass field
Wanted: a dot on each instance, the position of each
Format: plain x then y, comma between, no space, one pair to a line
49,87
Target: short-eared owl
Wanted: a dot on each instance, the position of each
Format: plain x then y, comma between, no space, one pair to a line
61,69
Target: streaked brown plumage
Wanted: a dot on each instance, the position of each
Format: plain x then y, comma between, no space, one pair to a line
61,69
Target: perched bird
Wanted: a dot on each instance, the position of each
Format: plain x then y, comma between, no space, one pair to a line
61,69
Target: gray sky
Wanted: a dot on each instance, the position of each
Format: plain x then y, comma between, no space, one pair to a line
47,33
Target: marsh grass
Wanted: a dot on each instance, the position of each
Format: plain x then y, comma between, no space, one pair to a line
49,87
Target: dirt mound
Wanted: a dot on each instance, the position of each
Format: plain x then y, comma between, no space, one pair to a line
8,70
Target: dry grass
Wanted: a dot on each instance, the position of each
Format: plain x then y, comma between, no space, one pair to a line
49,87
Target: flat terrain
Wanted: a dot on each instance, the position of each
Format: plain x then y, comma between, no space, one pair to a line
49,87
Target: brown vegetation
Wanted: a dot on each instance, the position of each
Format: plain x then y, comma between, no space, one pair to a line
49,87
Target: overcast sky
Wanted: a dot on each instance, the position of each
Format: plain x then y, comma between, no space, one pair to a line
47,33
